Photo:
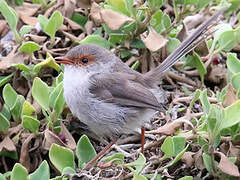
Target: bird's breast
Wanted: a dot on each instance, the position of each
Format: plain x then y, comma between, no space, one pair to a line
76,88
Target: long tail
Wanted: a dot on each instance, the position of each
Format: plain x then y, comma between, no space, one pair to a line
182,49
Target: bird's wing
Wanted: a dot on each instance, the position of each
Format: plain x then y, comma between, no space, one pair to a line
123,89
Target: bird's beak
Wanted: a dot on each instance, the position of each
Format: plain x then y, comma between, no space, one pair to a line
63,60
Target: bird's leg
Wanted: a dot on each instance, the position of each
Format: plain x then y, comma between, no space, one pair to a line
89,164
142,138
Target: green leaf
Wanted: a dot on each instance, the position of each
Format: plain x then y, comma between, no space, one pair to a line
115,38
156,4
36,1
29,47
54,94
233,63
138,177
54,23
17,109
236,81
157,21
128,28
231,115
43,21
149,176
5,79
204,101
137,43
7,174
138,164
125,54
6,112
28,109
95,39
227,41
117,5
176,159
207,162
4,123
30,123
68,170
59,101
18,2
9,95
40,93
172,44
166,21
85,151
49,62
61,157
130,7
115,156
57,178
195,61
195,98
98,31
19,172
2,177
203,143
202,3
179,156
41,173
59,78
79,19
9,14
219,30
179,144
11,17
22,67
186,178
10,154
215,118
135,65
24,30
168,147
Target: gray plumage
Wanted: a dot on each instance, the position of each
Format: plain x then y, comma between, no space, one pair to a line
111,98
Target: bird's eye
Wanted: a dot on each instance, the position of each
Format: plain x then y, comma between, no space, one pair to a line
85,60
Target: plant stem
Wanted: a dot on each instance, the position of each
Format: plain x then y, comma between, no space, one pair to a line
215,174
52,42
17,36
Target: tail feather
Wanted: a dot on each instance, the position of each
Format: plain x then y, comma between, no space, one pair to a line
182,49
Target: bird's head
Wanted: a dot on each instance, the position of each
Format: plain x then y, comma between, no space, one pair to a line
86,55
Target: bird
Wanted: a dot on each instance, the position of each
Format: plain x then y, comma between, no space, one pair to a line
111,98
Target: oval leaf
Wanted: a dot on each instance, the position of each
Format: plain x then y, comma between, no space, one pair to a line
236,81
138,164
30,123
29,47
54,23
233,63
41,173
168,147
85,150
4,123
61,157
19,172
231,116
96,39
40,93
9,95
28,109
